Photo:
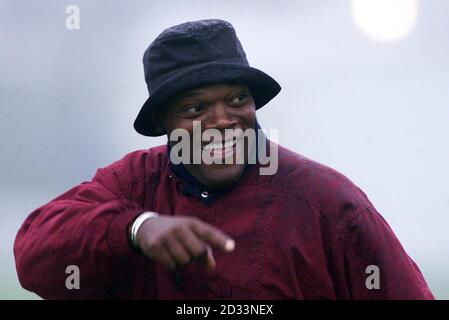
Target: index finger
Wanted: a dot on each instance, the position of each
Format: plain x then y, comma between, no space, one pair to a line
213,236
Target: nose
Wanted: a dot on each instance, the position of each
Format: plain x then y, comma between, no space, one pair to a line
219,117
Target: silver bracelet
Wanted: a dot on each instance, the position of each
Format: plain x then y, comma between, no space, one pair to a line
137,223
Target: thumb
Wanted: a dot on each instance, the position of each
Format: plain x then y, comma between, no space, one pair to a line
210,262
207,259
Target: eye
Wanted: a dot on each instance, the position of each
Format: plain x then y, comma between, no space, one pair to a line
193,110
239,100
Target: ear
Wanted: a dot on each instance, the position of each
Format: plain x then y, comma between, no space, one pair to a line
158,122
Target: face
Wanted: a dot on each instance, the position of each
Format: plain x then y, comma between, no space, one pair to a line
217,106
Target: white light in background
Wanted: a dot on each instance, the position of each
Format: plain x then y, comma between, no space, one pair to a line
385,20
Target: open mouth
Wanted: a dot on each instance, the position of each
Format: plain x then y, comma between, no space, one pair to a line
225,148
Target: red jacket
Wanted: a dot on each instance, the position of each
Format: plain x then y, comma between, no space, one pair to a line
306,232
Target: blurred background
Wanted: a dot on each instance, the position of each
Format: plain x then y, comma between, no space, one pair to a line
365,91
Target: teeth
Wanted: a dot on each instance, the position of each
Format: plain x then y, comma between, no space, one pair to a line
219,146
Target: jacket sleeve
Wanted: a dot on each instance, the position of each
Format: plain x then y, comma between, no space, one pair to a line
373,263
85,227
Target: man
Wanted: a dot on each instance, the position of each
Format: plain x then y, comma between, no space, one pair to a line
150,227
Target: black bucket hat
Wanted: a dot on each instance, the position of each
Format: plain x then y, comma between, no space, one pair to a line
195,54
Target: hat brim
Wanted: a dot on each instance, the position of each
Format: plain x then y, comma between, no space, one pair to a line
263,89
